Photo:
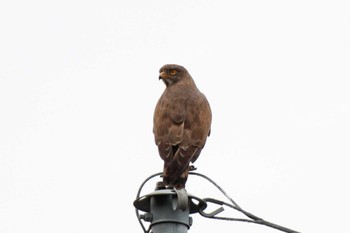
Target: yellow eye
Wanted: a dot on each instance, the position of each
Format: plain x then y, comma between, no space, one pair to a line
172,72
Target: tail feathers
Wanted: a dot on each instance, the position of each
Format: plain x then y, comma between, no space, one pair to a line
176,170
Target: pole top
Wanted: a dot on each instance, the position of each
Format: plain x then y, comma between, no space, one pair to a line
195,204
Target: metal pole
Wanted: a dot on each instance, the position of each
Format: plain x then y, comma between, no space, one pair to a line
168,210
166,218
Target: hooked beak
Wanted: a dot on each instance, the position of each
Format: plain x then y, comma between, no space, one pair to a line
162,75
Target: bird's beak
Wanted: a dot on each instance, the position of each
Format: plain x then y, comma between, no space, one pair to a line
162,75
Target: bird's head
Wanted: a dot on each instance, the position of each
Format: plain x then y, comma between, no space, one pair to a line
171,74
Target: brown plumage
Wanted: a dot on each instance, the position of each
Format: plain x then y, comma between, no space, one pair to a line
181,124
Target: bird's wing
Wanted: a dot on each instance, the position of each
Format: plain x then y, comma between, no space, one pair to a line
168,127
196,130
197,123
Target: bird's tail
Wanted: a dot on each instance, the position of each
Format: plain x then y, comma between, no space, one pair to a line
175,172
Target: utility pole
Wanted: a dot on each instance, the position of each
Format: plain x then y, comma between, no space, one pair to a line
168,210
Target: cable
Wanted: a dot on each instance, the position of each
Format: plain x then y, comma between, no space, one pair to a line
217,186
235,206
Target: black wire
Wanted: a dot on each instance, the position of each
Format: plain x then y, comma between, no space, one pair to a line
254,218
235,206
217,186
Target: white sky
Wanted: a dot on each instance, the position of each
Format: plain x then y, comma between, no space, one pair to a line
79,83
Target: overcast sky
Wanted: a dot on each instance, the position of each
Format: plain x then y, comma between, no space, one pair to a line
79,83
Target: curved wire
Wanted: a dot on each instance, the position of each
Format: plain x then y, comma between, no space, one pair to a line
254,218
217,186
235,206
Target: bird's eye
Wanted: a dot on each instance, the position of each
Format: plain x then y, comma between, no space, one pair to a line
172,72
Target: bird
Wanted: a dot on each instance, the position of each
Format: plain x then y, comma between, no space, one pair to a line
181,124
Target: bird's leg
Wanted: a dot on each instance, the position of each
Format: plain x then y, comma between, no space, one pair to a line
166,175
181,181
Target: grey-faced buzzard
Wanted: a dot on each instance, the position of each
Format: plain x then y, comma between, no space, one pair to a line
181,124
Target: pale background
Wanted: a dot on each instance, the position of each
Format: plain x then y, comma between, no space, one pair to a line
78,86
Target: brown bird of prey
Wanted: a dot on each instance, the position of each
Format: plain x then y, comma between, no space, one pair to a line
181,124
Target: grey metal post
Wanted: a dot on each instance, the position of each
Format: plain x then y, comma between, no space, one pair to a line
168,210
166,217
